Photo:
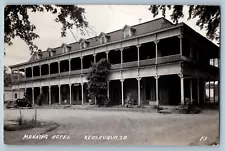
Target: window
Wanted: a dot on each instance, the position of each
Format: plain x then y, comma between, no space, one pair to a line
102,40
82,45
15,95
64,49
127,33
38,57
52,53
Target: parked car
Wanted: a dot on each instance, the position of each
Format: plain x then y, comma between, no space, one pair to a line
23,103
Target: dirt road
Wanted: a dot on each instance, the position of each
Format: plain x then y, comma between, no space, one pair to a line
140,128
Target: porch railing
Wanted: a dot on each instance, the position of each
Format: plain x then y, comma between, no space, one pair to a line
73,72
115,66
147,62
130,64
86,70
160,60
64,73
167,59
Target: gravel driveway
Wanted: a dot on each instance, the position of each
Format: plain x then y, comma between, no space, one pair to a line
139,128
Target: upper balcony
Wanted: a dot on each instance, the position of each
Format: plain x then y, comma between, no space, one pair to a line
121,66
169,50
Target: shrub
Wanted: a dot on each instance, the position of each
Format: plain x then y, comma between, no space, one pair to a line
97,81
129,101
20,120
189,107
107,102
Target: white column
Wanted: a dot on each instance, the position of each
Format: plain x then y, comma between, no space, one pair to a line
40,70
12,94
32,95
59,94
49,69
108,89
32,70
138,54
70,86
198,95
182,88
181,46
69,65
157,89
156,51
41,90
107,55
121,50
81,61
139,91
82,93
122,80
191,90
49,95
59,67
94,55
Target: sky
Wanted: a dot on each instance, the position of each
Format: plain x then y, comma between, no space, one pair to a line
101,18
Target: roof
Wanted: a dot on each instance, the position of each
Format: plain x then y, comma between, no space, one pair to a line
142,28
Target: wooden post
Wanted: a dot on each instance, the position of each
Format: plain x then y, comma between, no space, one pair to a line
82,93
59,94
70,87
32,95
156,51
139,91
122,80
121,50
182,88
157,89
50,95
108,89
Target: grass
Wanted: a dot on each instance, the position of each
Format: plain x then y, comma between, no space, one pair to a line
25,124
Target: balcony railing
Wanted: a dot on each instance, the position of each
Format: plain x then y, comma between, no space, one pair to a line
167,59
147,62
115,66
73,72
54,75
62,74
86,70
130,64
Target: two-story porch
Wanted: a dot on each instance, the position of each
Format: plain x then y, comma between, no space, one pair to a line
160,68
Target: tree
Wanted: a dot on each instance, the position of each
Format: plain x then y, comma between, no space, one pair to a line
208,16
7,77
17,22
97,81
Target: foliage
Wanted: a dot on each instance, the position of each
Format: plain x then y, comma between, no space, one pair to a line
7,77
129,101
208,16
97,81
157,107
17,22
189,107
20,120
